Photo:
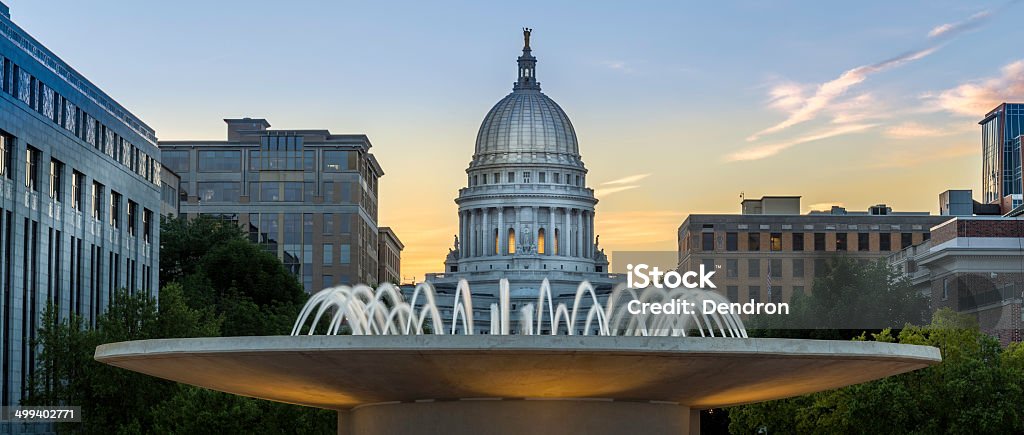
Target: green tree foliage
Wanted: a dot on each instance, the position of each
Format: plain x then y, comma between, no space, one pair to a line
214,283
971,391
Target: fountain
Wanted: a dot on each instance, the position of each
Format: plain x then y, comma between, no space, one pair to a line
385,312
393,364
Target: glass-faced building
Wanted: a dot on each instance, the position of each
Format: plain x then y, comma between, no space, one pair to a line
1001,155
309,196
79,198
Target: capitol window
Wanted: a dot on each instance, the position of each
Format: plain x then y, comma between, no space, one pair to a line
526,177
511,177
558,178
541,176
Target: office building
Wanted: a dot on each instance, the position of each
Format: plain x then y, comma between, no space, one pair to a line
389,256
80,185
1001,181
308,196
770,250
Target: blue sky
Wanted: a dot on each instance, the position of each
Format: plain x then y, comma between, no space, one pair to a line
690,102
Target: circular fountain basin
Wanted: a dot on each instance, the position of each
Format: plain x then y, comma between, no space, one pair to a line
515,384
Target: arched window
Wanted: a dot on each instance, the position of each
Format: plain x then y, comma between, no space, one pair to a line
497,244
540,241
555,250
511,241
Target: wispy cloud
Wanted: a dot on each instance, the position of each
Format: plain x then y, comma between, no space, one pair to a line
807,108
949,30
914,157
620,185
915,130
976,98
627,180
806,102
758,152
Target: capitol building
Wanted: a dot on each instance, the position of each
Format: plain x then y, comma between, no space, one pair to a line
526,212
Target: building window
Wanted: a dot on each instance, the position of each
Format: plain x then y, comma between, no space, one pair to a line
798,267
707,241
476,180
754,293
526,176
32,169
328,281
328,223
926,236
884,242
579,181
511,177
541,177
732,293
840,241
133,210
798,241
77,182
819,241
147,225
863,242
753,268
344,253
540,241
776,291
945,288
753,241
328,250
775,267
776,241
220,161
338,161
219,191
558,178
176,160
97,201
708,263
732,268
115,209
819,268
56,179
511,241
906,239
6,155
731,242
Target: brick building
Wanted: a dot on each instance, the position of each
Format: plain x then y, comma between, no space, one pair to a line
771,244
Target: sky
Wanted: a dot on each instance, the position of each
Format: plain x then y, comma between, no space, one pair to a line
679,106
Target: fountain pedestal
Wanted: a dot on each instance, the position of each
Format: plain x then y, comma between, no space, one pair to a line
420,383
518,416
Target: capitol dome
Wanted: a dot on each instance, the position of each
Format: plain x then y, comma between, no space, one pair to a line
526,121
526,126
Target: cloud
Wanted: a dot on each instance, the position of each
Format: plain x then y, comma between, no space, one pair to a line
949,30
808,108
914,130
758,152
977,98
620,185
627,180
601,193
805,103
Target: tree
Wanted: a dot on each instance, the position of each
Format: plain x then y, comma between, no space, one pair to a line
966,393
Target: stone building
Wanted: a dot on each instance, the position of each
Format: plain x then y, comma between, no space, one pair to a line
80,181
308,196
